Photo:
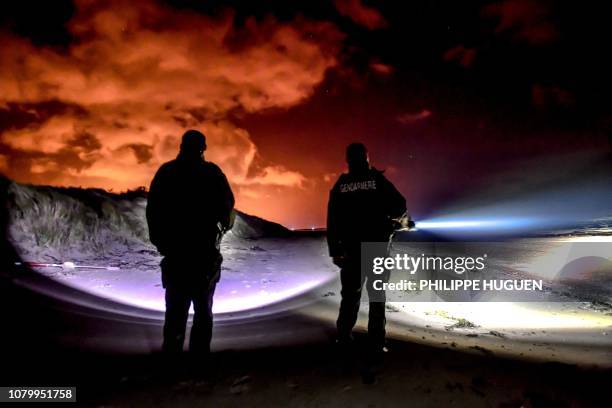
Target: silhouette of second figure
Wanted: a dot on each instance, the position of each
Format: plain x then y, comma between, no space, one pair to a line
362,207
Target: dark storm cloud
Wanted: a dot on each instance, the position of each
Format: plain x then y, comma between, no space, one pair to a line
361,14
30,161
16,115
461,54
143,152
551,96
524,20
84,141
79,153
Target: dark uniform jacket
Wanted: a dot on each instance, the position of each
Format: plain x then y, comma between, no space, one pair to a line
361,207
189,200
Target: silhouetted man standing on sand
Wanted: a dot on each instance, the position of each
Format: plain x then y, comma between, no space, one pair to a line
362,207
189,208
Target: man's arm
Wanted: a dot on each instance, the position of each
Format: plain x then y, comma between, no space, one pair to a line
155,210
395,203
227,203
333,239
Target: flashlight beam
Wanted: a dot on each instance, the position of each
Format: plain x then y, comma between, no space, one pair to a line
65,266
502,223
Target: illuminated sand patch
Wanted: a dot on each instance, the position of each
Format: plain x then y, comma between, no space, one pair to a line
504,315
269,272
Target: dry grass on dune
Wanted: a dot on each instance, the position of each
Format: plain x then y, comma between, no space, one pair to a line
53,223
54,219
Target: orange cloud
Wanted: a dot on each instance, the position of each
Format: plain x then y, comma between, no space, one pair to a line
108,110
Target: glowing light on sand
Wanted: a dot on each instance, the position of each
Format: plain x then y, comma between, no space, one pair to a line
503,315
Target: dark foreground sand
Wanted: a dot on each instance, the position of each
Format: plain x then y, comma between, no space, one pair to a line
312,376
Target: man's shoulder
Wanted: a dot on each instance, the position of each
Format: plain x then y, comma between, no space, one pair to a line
351,183
178,162
342,178
169,164
213,168
166,167
365,181
378,174
370,174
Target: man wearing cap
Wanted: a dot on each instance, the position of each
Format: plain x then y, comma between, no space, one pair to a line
189,208
363,205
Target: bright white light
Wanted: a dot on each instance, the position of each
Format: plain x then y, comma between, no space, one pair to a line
467,224
450,224
501,315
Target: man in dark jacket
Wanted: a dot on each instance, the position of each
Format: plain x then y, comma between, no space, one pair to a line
362,207
189,208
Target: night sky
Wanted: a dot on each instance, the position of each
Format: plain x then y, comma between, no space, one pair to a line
444,93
